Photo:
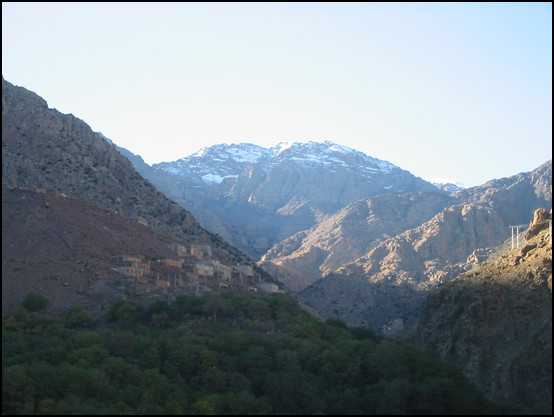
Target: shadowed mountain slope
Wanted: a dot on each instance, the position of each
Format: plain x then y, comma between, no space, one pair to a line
45,149
61,247
495,323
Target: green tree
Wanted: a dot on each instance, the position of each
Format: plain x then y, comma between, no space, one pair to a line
87,357
214,304
397,398
150,358
255,363
77,317
35,302
289,362
187,305
158,307
126,313
18,391
244,403
203,408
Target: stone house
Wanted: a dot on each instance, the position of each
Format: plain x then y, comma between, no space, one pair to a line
179,249
214,268
201,251
121,259
204,269
130,265
245,270
176,263
224,272
130,271
139,220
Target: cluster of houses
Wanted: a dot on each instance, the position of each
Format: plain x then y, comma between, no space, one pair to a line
191,268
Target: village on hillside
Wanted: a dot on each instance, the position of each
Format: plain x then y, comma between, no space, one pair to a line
191,270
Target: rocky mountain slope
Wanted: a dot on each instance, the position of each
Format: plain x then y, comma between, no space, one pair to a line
43,148
514,198
349,234
348,264
61,247
255,197
495,323
374,260
402,246
394,278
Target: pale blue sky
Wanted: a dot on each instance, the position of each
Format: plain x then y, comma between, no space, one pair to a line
453,90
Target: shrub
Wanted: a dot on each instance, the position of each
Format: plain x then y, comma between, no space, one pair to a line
35,302
126,313
77,317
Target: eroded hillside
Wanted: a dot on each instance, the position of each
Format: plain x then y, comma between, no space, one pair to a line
94,206
379,258
43,148
75,253
393,279
495,323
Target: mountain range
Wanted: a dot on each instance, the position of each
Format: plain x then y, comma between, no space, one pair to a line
352,237
255,197
327,221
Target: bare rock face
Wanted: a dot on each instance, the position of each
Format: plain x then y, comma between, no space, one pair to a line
43,148
514,198
541,220
349,234
398,274
495,323
397,249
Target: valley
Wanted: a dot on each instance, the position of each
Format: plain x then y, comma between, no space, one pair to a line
353,237
359,242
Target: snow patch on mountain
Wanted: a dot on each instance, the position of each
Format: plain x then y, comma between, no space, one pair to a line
216,179
282,146
211,165
448,185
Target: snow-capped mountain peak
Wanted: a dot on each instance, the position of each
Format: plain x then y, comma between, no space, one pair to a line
238,152
215,163
448,185
329,154
282,146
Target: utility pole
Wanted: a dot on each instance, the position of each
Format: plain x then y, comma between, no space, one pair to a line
516,227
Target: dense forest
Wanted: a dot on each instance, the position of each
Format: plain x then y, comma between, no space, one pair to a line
220,353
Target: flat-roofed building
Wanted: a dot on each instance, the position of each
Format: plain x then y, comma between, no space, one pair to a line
179,249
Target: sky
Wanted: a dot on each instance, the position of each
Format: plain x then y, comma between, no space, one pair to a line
458,91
